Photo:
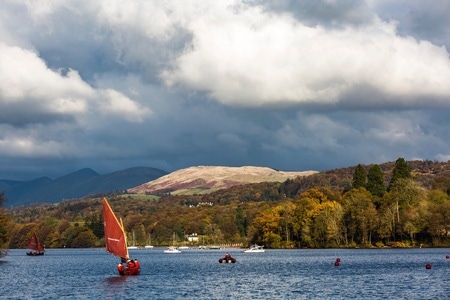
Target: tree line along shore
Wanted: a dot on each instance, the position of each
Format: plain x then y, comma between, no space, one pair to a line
406,204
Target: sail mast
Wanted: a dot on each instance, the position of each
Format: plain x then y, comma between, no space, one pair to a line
125,238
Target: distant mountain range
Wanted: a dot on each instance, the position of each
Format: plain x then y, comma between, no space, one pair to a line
194,180
78,184
141,180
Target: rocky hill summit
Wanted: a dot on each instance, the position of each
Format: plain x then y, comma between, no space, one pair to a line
206,179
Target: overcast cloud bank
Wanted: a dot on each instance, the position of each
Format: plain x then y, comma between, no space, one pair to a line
291,85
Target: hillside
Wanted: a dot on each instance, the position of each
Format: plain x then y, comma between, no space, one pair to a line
207,179
316,211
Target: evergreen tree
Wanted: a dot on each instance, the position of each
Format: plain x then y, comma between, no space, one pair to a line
375,181
359,177
95,223
401,171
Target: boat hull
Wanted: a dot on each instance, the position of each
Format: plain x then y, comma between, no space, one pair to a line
172,251
227,260
133,268
35,254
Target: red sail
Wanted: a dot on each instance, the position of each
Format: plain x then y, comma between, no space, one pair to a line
34,243
115,237
40,247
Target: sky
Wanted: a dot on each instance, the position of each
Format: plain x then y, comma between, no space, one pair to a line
292,85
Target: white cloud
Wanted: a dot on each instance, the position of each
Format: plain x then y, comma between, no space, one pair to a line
26,81
24,76
118,104
250,57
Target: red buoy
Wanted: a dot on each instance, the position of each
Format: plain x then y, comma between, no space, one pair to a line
447,256
428,266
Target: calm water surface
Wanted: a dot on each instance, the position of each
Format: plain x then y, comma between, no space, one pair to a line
196,274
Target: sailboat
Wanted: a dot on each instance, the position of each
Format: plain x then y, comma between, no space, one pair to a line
149,246
36,246
116,241
172,249
133,246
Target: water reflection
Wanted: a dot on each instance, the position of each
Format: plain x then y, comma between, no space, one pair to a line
116,280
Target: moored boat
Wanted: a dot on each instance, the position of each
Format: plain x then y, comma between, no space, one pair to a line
133,246
149,246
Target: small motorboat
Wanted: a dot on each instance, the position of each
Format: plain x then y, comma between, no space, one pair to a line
227,259
255,249
172,249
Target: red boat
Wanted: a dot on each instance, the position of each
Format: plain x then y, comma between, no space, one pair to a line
227,259
36,246
116,242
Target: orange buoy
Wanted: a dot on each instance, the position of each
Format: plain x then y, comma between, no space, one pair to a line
428,266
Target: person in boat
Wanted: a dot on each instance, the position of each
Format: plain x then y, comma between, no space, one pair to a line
136,264
131,264
227,258
121,269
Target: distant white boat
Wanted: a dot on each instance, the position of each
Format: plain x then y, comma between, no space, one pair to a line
149,246
171,250
255,249
133,246
214,247
183,248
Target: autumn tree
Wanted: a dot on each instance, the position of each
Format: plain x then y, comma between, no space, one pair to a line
266,228
288,224
320,218
4,220
85,239
438,216
326,224
403,199
360,216
241,221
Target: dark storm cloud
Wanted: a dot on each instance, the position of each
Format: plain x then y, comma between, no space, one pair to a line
291,85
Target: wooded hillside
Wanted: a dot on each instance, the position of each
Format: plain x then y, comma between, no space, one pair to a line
338,208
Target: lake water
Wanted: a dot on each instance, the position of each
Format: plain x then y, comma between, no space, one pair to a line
196,274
